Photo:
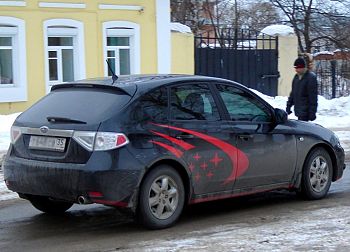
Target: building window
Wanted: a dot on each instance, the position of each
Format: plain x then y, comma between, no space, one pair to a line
13,76
64,50
122,47
118,55
61,59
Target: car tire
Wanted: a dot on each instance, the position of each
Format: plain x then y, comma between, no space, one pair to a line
48,205
317,174
161,198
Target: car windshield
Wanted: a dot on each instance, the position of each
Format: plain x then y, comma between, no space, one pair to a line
83,104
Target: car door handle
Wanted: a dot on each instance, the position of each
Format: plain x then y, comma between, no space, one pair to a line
184,136
245,137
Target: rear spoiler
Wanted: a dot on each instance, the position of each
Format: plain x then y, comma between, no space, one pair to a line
127,90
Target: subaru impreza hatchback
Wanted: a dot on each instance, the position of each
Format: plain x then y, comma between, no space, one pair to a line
153,144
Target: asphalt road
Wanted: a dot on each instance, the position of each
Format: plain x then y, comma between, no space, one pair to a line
276,221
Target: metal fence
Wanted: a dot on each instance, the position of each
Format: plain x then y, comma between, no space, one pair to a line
333,78
245,56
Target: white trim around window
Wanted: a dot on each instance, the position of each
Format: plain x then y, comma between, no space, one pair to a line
123,29
17,91
65,28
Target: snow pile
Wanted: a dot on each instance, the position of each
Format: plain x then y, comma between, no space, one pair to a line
278,30
177,27
5,124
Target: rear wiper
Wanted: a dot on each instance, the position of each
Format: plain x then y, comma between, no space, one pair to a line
54,119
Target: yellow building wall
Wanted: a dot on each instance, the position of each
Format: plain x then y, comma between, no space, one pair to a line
93,18
182,53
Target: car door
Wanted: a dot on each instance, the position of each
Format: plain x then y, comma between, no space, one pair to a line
195,126
270,151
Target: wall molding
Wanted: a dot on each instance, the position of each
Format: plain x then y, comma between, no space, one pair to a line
120,7
62,5
13,3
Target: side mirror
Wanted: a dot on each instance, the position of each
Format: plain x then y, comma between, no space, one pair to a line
281,116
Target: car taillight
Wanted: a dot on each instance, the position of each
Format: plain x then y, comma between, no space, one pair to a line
100,141
15,134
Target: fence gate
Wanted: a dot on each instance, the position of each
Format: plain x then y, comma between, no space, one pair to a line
247,57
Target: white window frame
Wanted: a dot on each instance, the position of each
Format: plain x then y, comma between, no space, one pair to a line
75,29
16,92
123,29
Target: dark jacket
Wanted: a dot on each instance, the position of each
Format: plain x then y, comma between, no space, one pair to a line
304,96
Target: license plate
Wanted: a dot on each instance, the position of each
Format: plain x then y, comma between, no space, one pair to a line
47,143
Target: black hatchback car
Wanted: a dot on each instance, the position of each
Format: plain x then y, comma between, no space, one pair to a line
153,144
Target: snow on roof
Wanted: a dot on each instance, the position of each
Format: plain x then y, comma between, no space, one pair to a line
177,27
278,30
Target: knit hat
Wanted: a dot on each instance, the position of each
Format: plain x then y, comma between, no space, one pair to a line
299,63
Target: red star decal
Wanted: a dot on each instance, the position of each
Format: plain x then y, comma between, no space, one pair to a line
197,177
216,160
210,174
204,165
197,157
191,167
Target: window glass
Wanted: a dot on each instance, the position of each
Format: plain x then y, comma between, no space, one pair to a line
67,65
60,41
6,71
153,106
124,61
193,102
242,106
53,69
5,41
118,41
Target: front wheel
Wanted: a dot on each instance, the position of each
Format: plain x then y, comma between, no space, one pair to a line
161,199
317,174
48,205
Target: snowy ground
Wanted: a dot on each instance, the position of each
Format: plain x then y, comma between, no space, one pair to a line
333,114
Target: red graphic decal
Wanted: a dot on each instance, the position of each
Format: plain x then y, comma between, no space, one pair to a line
197,157
237,157
181,143
191,167
216,160
204,165
210,174
173,150
197,177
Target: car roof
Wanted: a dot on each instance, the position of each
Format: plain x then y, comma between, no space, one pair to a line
139,82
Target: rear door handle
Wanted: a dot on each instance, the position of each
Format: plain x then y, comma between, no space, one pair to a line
184,136
245,137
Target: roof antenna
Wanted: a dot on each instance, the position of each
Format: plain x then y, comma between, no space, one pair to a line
114,76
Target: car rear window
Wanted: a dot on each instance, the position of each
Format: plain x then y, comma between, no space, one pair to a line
84,104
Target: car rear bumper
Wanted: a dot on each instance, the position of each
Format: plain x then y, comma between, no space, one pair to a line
70,181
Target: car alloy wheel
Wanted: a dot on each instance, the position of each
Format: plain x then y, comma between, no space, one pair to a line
319,174
163,197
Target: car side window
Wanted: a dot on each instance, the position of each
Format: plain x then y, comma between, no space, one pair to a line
153,106
242,106
193,102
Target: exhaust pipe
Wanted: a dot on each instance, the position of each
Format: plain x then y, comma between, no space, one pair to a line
83,201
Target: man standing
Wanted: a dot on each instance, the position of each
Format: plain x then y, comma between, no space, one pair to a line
304,92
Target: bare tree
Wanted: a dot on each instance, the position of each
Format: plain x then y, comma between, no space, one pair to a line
314,21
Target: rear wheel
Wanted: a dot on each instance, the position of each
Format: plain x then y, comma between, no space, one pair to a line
162,198
317,174
48,205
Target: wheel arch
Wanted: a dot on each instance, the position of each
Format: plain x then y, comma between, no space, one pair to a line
185,176
331,155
